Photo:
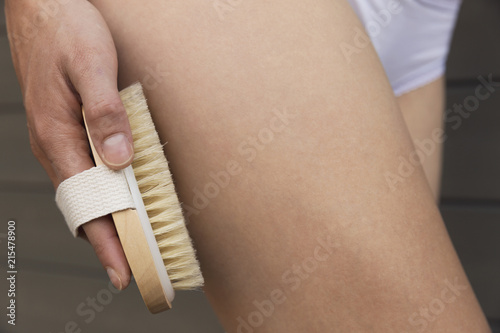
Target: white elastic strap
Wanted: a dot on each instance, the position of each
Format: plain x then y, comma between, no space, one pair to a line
92,193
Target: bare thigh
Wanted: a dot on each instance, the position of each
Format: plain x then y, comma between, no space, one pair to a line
423,113
279,149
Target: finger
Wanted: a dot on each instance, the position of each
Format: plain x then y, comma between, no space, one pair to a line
44,161
63,142
60,143
101,233
104,112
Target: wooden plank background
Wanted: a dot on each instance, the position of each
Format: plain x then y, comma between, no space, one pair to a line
57,273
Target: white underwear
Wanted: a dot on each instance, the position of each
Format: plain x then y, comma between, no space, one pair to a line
411,37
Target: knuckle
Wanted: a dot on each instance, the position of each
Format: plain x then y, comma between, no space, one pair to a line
105,108
85,54
35,148
49,138
99,248
39,126
106,114
101,245
40,136
82,57
91,60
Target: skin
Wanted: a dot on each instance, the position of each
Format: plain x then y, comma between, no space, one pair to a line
308,213
422,110
60,64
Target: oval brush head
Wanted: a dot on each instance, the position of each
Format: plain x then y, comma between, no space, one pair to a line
158,193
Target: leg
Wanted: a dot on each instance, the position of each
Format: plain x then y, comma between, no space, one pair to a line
423,112
279,149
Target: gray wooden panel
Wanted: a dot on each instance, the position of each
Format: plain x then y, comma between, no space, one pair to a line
42,233
46,303
476,45
10,93
472,150
19,168
2,19
475,232
58,272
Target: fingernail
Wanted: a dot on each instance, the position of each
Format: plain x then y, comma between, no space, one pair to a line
117,150
115,279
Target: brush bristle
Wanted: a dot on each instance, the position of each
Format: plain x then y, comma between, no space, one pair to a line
158,193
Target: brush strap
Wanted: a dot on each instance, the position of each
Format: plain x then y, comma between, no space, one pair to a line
92,193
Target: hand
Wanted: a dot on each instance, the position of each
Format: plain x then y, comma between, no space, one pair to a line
64,56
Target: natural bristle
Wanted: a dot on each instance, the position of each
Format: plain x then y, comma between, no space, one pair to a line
158,193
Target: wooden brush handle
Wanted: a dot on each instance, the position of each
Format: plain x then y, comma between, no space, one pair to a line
135,246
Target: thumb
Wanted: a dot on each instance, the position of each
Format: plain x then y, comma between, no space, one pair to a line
106,118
